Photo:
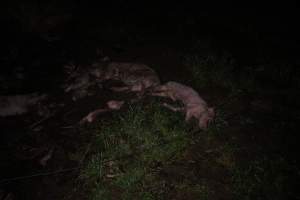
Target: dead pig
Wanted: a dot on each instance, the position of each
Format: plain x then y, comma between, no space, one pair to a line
136,77
19,104
80,82
194,105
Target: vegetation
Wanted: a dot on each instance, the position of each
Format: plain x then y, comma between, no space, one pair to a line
149,152
145,151
131,150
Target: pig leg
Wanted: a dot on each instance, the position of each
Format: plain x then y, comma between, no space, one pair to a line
111,105
120,89
164,94
159,88
92,116
192,112
175,109
188,115
137,88
163,91
114,104
159,94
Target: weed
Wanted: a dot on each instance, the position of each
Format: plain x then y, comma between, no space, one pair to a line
130,147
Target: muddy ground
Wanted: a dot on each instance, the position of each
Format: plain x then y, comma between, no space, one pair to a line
261,124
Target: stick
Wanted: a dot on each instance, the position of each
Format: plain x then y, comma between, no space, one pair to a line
6,181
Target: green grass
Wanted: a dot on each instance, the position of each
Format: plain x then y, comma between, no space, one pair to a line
134,147
131,148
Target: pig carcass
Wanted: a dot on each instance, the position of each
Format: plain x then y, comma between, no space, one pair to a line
193,105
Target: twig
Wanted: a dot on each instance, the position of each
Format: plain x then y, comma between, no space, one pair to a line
40,121
6,181
85,153
67,127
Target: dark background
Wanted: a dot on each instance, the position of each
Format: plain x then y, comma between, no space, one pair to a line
38,38
248,31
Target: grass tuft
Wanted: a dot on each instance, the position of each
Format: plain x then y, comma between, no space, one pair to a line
131,148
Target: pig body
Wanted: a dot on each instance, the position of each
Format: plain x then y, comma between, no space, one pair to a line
80,86
136,77
18,104
194,105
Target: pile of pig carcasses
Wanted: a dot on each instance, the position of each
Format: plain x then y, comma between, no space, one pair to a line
141,80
